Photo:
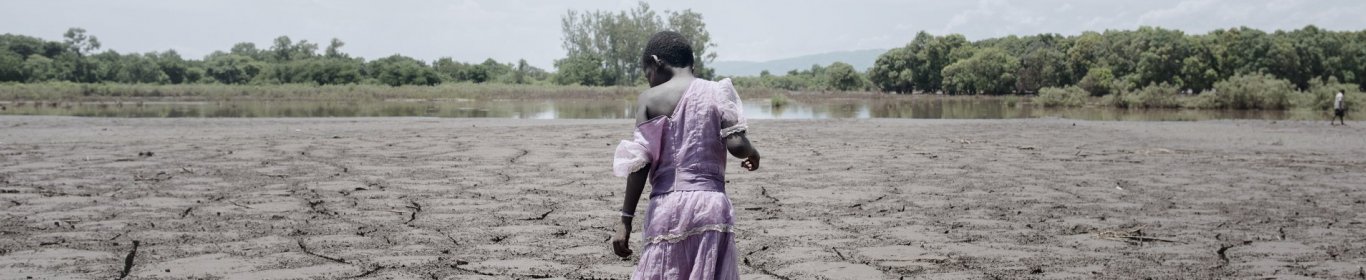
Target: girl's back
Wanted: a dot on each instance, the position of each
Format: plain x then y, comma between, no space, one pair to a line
661,100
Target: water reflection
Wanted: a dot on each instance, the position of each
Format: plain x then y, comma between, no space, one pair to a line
827,108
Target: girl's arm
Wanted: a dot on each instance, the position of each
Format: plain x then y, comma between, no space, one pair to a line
635,184
733,119
738,145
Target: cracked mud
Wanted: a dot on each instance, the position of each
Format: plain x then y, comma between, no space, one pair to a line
424,198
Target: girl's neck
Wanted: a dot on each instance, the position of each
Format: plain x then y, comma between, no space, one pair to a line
681,73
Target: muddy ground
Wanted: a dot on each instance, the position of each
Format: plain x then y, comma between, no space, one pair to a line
839,199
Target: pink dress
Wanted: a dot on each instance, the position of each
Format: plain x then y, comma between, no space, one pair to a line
688,231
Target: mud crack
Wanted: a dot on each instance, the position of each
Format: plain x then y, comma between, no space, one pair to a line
763,191
521,153
417,208
128,260
311,253
542,217
1223,252
368,272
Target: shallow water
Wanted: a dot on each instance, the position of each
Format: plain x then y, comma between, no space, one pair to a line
916,108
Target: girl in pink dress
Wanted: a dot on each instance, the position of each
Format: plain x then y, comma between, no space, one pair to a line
684,128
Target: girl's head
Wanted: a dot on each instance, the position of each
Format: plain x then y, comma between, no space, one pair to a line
666,51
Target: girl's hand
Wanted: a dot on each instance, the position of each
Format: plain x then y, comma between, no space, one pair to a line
751,163
621,241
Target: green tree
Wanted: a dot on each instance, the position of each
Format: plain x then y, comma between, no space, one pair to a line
138,68
1160,54
248,49
25,46
397,70
1283,60
892,71
80,44
450,70
230,68
842,76
175,67
1239,51
338,70
11,66
616,41
690,24
937,55
1042,64
989,70
39,68
919,65
105,66
334,49
585,70
1087,51
1098,81
284,50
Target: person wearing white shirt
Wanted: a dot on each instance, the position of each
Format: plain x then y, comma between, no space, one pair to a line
1339,109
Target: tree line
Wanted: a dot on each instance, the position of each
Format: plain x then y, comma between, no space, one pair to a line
77,58
1116,60
838,76
602,49
1098,63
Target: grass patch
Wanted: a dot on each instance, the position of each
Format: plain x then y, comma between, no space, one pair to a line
1071,96
778,100
1158,96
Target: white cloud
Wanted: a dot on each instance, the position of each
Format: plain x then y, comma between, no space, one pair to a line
985,9
991,18
1283,5
1182,11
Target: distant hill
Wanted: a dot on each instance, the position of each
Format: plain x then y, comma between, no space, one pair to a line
861,60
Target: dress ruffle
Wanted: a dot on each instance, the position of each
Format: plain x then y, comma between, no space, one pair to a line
641,150
629,157
676,237
727,132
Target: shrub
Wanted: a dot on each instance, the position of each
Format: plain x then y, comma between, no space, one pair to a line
1320,95
1098,81
1071,96
778,100
1115,99
1153,96
1255,91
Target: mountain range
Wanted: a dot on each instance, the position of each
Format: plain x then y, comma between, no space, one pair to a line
860,59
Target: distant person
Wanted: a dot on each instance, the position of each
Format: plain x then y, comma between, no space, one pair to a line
684,128
1339,110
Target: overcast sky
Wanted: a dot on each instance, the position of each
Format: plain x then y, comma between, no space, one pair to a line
506,30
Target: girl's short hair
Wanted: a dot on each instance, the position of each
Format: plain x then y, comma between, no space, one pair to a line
671,47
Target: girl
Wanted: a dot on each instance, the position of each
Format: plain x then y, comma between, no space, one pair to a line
684,127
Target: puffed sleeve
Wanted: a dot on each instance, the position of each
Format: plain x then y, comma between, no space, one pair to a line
631,155
731,109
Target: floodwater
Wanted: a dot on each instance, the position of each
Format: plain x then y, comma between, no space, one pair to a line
814,108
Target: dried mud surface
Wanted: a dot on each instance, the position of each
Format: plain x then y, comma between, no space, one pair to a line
381,198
